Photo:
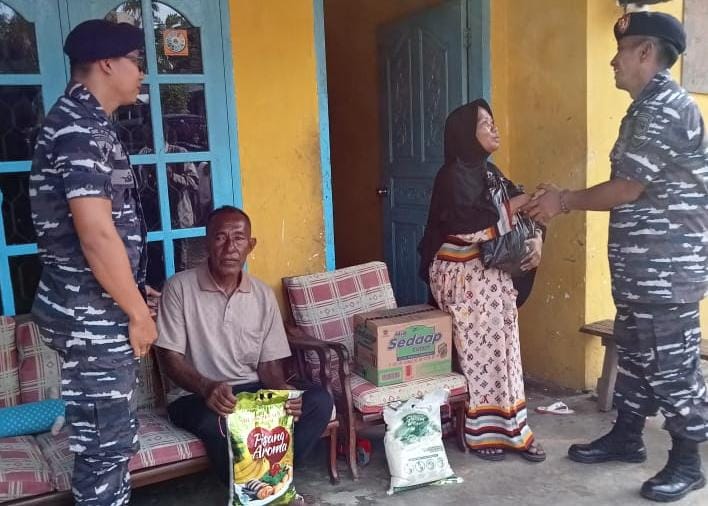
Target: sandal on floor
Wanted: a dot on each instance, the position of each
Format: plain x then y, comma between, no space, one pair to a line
492,454
557,408
300,500
539,455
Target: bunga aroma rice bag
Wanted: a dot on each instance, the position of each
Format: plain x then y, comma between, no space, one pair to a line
261,448
413,442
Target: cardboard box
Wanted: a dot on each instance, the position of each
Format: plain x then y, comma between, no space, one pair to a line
396,345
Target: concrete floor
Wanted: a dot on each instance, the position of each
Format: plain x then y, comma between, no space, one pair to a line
557,481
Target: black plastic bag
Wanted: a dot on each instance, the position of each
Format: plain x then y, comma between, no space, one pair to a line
508,250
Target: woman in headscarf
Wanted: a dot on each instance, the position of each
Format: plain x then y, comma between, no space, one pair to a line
482,301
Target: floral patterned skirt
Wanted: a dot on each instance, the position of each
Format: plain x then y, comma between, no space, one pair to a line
482,303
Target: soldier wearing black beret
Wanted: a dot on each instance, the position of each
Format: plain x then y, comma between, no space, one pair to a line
657,197
91,238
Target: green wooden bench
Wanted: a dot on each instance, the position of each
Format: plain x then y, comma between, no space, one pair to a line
606,382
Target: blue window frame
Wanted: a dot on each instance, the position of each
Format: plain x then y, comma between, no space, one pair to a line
186,161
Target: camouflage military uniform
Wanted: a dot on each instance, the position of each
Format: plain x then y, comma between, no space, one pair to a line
658,247
79,155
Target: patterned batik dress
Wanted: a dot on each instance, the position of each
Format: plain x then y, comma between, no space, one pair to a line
482,303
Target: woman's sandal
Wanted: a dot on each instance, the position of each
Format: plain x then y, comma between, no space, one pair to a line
534,453
493,454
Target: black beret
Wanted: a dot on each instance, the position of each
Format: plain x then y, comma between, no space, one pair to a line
653,24
96,39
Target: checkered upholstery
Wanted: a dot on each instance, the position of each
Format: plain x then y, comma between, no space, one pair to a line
23,470
370,399
40,366
324,304
40,370
149,392
9,381
43,463
160,443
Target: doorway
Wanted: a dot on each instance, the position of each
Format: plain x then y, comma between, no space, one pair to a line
395,70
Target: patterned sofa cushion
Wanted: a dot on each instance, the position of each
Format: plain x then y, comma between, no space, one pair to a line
324,304
370,399
40,366
149,393
23,470
160,443
9,381
40,370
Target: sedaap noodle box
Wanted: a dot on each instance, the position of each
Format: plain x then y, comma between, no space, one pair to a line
396,345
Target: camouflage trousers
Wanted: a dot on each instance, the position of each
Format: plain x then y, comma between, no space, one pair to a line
99,377
658,347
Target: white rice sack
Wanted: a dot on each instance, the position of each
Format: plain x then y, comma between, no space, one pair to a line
414,448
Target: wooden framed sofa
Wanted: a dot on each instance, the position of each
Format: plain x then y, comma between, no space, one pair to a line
36,469
322,307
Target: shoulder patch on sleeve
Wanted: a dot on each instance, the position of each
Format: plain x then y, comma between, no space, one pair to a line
640,128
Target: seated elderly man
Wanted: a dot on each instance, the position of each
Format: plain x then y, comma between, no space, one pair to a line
220,333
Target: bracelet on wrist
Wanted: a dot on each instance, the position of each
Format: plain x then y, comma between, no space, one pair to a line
563,204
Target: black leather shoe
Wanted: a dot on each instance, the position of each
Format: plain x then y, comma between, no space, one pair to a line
681,474
671,485
607,449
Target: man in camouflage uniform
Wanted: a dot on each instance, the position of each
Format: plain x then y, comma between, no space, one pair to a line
91,240
658,246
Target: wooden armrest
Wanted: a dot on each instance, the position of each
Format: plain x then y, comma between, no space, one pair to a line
301,343
307,343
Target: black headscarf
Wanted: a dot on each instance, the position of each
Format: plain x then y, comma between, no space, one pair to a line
461,134
460,202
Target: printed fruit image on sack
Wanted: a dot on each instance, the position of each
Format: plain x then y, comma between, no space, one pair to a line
413,442
261,448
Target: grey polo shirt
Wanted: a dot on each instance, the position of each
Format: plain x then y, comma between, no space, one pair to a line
224,338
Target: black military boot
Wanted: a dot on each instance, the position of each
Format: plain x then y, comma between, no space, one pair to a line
623,443
681,474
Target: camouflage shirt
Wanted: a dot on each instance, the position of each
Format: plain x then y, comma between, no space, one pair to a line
658,244
78,154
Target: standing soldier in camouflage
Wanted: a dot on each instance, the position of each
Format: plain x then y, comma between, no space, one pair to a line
658,246
91,239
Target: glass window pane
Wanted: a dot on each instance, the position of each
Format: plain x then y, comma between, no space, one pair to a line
128,12
16,213
149,197
156,265
190,253
134,126
24,273
21,115
178,44
184,120
205,195
190,193
18,43
183,192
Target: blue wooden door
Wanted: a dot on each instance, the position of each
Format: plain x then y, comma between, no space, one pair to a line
183,158
430,63
32,76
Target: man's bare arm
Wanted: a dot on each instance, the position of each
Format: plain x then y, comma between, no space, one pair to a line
217,395
547,201
604,196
